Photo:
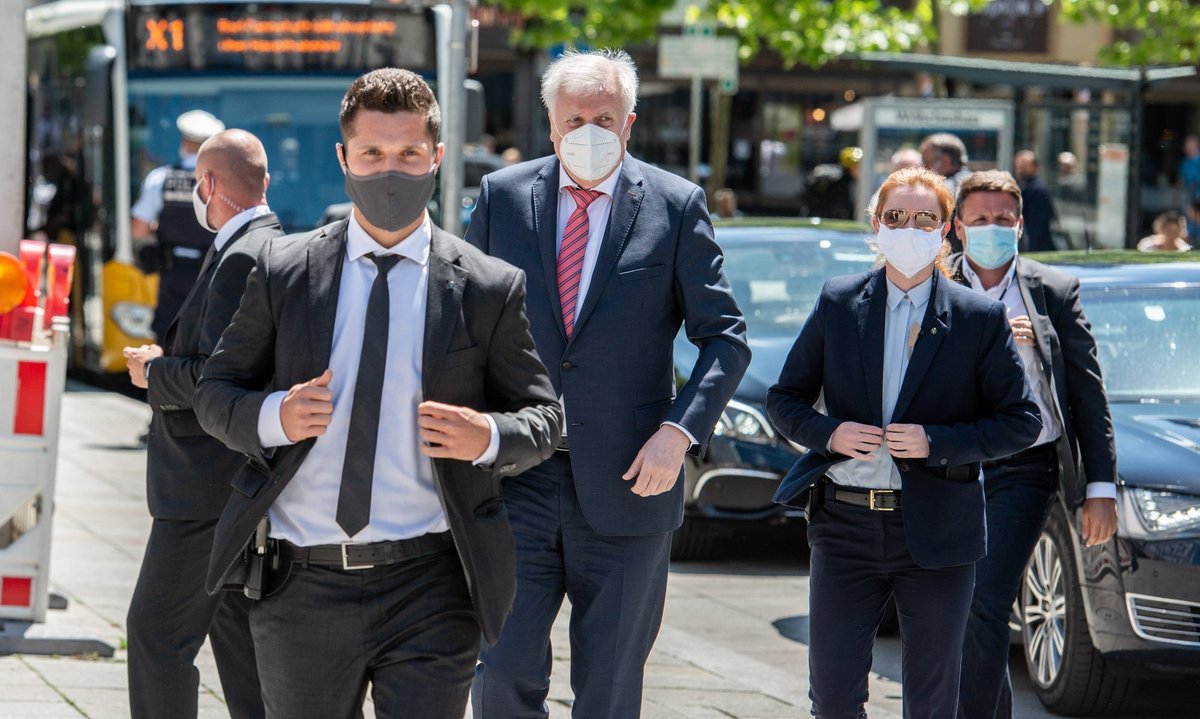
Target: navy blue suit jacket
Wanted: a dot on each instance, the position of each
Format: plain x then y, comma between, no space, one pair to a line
965,384
658,268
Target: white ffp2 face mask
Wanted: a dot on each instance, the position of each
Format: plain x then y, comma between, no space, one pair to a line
201,208
909,249
590,152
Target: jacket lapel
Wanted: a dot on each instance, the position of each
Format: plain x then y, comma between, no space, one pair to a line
326,255
627,199
933,329
545,223
1034,296
871,308
447,279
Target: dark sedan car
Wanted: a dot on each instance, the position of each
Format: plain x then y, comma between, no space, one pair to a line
1094,619
776,269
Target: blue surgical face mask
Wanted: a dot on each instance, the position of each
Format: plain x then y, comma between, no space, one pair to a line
992,246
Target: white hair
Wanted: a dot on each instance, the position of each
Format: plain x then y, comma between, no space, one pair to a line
595,71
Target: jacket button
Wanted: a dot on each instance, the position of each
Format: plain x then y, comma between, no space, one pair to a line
944,461
566,365
904,467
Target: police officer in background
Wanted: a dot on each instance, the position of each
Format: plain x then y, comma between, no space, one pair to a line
163,212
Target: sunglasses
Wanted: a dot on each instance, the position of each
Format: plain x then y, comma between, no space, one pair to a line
924,219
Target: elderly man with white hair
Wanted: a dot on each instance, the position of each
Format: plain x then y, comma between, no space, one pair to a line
618,255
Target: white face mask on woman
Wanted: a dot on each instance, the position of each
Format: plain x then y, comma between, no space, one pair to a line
590,152
909,249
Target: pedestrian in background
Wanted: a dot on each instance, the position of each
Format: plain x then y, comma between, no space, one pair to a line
921,383
172,241
1039,214
380,377
618,255
187,471
1170,234
1058,355
945,154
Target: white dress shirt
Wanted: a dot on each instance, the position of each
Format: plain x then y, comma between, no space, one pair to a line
404,501
1008,291
598,214
905,312
236,223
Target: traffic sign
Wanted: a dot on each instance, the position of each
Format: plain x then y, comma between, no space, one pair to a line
702,56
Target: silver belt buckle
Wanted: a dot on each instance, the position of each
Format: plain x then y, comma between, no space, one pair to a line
346,562
870,499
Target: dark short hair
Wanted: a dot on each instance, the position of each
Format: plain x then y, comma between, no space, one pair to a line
989,181
948,144
390,90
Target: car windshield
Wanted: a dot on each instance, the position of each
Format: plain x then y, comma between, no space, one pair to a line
777,276
1148,339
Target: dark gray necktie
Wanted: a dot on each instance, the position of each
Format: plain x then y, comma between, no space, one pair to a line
358,468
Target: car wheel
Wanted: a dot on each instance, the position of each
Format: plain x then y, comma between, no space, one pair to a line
693,541
1069,676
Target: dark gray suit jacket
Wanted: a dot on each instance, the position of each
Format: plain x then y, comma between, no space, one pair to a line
477,353
188,471
658,268
1065,342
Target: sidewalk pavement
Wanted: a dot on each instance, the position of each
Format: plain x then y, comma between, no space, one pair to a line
716,656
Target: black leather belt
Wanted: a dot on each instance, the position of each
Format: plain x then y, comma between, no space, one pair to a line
880,500
563,445
365,556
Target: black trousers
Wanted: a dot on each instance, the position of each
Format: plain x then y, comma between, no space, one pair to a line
407,628
169,616
859,559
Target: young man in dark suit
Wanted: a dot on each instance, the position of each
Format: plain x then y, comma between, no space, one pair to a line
1058,356
619,255
402,387
188,472
920,383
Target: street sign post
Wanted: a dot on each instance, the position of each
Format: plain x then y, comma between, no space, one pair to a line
699,55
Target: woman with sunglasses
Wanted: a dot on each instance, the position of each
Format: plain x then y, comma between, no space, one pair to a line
921,383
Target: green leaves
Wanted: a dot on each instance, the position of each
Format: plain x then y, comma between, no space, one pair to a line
1149,32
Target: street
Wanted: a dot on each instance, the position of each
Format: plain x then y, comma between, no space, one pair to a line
732,643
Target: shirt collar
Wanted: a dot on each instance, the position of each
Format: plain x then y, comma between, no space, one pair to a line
608,187
976,284
236,223
918,295
415,247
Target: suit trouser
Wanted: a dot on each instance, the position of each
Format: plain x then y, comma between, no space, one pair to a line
408,628
859,559
169,616
1020,491
617,588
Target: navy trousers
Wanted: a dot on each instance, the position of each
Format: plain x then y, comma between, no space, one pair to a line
617,588
859,559
1020,491
170,614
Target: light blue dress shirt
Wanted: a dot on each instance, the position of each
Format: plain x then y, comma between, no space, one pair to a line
902,323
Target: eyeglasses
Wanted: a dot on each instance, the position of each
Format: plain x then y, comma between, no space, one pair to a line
924,219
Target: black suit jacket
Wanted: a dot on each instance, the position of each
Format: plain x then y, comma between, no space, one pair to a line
477,353
964,383
1038,210
188,471
1068,351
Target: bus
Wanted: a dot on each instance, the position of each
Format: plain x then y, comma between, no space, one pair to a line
107,80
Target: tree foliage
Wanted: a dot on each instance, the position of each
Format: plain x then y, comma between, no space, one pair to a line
815,32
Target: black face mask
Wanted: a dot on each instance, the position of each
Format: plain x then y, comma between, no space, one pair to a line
391,200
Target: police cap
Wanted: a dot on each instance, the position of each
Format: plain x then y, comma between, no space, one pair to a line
198,125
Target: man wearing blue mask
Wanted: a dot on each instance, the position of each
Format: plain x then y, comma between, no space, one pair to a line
618,255
1056,346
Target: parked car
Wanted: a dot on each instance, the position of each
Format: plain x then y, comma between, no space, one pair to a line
1094,620
776,268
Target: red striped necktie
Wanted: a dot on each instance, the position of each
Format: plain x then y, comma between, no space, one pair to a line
571,253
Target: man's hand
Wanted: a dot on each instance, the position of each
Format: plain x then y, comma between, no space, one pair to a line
907,441
307,408
657,464
855,440
452,432
1099,520
1022,329
136,359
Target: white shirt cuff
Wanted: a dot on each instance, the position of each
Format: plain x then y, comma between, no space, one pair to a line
270,425
493,448
681,428
1102,490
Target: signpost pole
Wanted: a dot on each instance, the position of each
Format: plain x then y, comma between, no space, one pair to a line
694,130
12,154
454,115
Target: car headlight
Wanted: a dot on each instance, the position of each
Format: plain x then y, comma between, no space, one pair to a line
1161,514
741,421
133,319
